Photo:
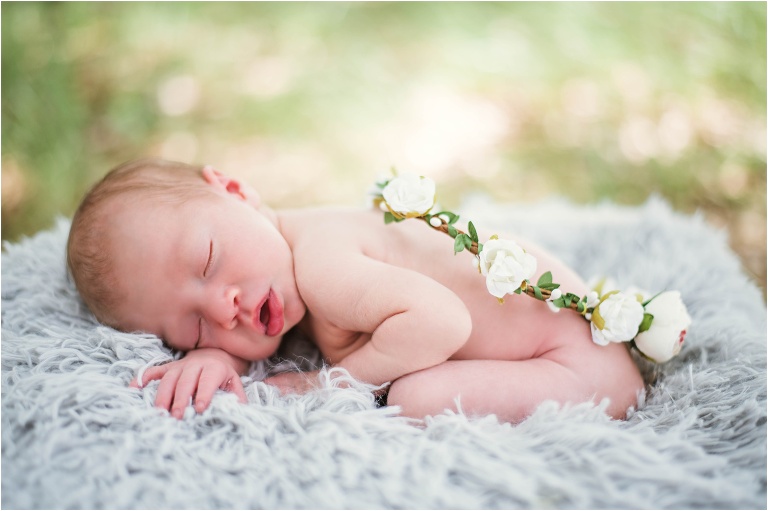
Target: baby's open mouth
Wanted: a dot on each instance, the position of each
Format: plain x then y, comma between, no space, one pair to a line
270,315
264,314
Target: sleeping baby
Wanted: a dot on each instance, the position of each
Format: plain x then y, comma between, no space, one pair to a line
196,258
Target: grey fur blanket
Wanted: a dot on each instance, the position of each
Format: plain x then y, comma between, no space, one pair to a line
75,436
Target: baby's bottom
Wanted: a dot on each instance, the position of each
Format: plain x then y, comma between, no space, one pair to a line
513,389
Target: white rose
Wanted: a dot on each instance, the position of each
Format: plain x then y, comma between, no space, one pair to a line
664,339
505,265
409,195
616,319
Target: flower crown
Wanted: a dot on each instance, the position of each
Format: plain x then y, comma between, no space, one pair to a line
654,325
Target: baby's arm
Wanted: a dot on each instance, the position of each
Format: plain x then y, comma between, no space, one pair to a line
198,374
414,322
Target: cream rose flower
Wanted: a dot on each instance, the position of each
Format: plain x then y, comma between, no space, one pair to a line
616,319
409,195
505,266
664,339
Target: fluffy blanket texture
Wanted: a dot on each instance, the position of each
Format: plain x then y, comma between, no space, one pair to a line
75,436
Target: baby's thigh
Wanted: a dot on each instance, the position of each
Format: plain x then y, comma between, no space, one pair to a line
605,371
512,389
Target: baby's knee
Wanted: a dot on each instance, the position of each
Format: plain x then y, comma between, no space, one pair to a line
623,397
408,394
622,386
416,396
395,394
605,373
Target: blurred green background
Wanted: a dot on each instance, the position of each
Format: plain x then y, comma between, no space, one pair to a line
311,101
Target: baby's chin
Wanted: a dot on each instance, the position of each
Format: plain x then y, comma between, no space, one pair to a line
262,348
293,314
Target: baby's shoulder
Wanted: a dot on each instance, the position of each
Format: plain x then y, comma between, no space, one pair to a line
337,256
322,238
323,231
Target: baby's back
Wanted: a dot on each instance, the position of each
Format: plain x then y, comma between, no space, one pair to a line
519,329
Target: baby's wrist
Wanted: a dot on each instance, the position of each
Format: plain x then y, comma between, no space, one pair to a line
240,365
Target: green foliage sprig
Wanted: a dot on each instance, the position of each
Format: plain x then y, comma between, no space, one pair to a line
614,316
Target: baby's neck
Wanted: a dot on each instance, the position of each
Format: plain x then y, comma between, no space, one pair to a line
270,215
289,223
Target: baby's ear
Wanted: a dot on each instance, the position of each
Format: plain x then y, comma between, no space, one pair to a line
229,185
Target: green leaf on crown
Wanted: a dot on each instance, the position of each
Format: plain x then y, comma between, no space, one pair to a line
458,245
546,278
473,232
452,217
645,324
649,300
461,242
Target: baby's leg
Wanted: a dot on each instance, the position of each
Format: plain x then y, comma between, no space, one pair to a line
513,389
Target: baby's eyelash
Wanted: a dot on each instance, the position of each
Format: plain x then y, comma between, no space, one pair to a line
210,260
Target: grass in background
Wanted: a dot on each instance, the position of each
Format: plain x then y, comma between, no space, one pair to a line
310,101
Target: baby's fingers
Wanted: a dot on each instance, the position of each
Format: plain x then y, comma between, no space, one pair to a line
185,388
151,374
213,379
166,389
210,380
236,386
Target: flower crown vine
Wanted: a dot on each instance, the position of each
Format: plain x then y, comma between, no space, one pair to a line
653,325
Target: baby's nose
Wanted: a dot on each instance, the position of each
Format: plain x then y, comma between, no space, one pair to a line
230,308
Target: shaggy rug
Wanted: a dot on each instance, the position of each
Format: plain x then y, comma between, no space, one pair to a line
75,436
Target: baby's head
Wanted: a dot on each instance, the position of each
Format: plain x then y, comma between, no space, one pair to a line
91,242
186,253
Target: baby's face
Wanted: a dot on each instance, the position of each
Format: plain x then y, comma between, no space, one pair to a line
213,272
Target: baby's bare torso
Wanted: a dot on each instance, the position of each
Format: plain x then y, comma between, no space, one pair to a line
521,328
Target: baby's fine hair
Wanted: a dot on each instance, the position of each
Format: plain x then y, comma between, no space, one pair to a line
88,252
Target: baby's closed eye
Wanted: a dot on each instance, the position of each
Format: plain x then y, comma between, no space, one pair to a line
210,259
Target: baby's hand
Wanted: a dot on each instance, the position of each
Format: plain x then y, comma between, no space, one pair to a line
198,374
294,382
